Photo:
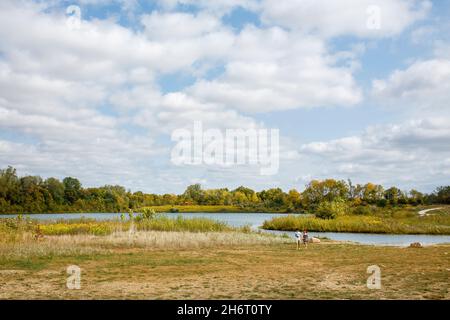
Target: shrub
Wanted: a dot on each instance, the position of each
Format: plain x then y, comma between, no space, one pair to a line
332,209
130,214
147,214
362,210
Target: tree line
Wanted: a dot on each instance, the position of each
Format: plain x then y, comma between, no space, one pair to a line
32,194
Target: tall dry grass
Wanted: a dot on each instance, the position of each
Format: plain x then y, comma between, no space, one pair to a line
25,238
83,244
22,239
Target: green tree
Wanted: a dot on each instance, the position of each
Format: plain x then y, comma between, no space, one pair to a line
393,195
443,195
372,193
72,190
294,199
331,209
327,190
56,189
9,185
32,194
246,191
274,197
415,197
194,193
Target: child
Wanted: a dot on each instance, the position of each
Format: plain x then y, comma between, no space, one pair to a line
298,237
305,238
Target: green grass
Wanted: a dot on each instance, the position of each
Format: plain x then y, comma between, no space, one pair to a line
436,224
443,210
87,227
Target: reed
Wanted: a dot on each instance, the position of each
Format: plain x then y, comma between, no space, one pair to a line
362,224
12,229
182,224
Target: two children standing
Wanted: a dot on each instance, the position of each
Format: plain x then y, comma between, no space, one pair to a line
302,237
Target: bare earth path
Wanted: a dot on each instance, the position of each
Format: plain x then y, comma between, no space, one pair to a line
424,212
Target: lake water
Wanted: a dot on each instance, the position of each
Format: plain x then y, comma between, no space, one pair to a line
255,220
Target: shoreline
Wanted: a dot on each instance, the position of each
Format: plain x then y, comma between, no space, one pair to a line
266,224
211,212
366,233
167,209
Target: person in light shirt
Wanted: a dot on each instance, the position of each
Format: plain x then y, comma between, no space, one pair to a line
298,236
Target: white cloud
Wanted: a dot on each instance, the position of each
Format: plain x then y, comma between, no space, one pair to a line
201,37
410,154
272,70
423,87
167,26
86,102
344,17
55,88
178,110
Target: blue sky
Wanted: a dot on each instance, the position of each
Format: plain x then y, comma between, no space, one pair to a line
100,100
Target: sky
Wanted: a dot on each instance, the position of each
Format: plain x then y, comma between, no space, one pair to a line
358,89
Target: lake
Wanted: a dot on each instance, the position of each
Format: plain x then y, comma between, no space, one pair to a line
255,220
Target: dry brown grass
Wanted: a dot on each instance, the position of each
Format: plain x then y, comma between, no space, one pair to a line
229,265
82,244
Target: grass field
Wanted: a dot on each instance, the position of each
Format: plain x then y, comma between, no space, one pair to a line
222,264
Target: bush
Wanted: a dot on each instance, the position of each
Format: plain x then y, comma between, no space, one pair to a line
363,211
147,214
332,209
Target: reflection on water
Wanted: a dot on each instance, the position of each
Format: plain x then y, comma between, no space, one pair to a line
255,220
